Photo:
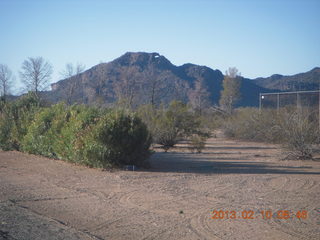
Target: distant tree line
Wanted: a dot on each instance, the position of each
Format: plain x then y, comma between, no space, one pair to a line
36,73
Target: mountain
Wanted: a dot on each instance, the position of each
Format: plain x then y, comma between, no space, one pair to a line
302,81
140,77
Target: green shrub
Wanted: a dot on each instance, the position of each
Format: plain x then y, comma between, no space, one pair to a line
165,133
70,127
6,126
300,135
169,125
250,124
55,129
41,134
197,143
211,121
117,139
88,136
15,118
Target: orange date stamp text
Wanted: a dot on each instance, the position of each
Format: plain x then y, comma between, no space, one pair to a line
262,214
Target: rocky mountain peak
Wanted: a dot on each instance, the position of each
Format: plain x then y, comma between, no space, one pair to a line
143,59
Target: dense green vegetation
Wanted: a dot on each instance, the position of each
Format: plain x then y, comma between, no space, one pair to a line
97,137
101,137
174,123
81,134
15,118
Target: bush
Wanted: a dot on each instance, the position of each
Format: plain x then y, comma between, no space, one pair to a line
297,131
169,125
49,133
300,135
197,143
15,118
117,139
88,136
71,126
6,126
250,124
55,129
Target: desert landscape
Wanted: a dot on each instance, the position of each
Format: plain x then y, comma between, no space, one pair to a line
173,199
141,120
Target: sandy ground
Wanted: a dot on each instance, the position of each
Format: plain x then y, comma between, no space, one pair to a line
48,199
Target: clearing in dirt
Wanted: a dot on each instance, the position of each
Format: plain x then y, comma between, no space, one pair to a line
218,194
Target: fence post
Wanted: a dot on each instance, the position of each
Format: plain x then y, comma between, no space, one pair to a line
278,102
260,104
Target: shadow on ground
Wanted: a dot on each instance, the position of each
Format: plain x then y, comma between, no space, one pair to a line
199,163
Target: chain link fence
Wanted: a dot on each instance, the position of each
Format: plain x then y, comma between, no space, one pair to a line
299,100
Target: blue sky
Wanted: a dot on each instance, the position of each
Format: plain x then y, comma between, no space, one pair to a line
260,37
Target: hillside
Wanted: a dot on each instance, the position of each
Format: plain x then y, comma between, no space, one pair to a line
303,81
147,78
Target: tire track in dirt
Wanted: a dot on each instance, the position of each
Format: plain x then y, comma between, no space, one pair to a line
176,197
203,224
295,227
283,185
200,224
167,199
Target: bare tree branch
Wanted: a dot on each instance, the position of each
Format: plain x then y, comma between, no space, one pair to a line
126,88
5,80
36,73
70,71
230,94
199,96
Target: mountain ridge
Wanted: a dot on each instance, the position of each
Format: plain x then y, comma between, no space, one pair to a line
309,80
151,77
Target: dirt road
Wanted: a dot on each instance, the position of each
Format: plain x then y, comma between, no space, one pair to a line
49,199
